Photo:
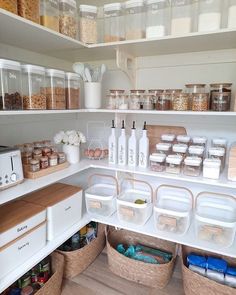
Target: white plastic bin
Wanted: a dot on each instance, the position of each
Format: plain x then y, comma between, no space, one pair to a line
215,218
129,208
173,209
101,197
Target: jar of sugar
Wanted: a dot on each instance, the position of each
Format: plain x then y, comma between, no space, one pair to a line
232,14
209,17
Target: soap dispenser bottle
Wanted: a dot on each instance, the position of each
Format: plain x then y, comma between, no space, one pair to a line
133,148
122,146
112,143
144,148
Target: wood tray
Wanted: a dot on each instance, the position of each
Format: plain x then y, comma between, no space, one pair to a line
43,172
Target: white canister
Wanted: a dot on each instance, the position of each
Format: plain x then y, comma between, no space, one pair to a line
72,153
211,168
92,95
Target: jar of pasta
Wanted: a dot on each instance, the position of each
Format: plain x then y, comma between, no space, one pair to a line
29,9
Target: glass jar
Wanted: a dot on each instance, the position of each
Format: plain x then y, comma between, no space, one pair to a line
134,20
26,158
72,91
114,26
181,17
211,168
88,24
183,139
33,87
49,14
136,99
28,147
61,158
180,149
111,103
37,154
192,166
29,9
174,164
219,142
46,151
68,18
168,138
44,164
123,102
10,85
53,160
163,148
148,102
55,90
200,102
220,97
199,141
156,94
196,151
34,165
232,14
195,88
217,153
158,18
209,17
10,5
38,145
157,162
180,102
163,102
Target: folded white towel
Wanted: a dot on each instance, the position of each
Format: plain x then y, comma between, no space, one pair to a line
215,276
197,269
230,281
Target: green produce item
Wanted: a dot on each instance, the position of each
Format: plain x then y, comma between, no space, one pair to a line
140,202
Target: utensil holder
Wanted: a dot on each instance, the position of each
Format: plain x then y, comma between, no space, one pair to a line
92,95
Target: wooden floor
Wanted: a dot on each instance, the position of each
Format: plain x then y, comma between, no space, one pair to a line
98,280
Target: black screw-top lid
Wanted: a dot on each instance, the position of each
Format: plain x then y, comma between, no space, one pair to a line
133,125
145,126
113,124
123,124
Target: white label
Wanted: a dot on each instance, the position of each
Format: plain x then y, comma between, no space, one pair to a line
122,155
132,155
23,246
111,153
24,227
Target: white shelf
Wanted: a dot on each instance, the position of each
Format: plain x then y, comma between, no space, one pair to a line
50,247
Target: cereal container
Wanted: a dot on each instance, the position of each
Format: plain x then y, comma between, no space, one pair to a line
49,14
68,19
88,24
29,9
196,151
157,162
72,91
10,5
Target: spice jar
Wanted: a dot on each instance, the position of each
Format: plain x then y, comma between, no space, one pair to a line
200,102
26,158
10,5
33,87
10,85
209,18
164,148
220,97
183,139
196,151
134,19
168,138
53,160
219,142
44,162
49,14
192,166
180,149
68,20
180,102
217,153
136,98
211,168
61,158
113,99
157,162
173,164
37,154
72,91
34,165
123,102
29,9
156,94
88,24
232,14
199,140
147,102
38,145
163,101
28,147
46,151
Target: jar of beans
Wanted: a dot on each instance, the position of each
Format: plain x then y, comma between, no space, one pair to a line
180,102
148,102
221,97
163,101
200,102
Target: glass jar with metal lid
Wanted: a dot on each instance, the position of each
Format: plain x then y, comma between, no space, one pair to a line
163,101
221,97
180,102
136,99
148,102
200,102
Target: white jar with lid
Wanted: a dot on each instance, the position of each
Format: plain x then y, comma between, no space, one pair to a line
88,24
196,151
199,140
209,17
168,138
232,14
164,148
183,139
217,153
180,149
158,18
174,164
68,19
157,162
192,166
211,168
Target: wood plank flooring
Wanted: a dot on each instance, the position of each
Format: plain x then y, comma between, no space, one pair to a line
99,280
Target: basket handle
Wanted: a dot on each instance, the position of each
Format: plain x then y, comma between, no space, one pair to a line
138,181
178,187
217,195
106,176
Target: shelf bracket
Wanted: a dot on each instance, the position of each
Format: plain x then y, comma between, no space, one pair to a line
127,63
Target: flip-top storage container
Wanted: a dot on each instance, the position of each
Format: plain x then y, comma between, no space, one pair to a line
64,206
173,209
101,195
215,218
135,202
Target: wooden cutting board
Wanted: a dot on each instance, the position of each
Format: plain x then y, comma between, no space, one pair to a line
155,132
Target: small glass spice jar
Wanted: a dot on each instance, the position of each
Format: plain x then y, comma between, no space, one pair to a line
221,97
53,160
164,148
111,103
61,158
44,164
196,151
157,162
46,151
192,166
200,102
156,93
180,149
183,139
217,153
168,138
163,101
211,168
180,102
148,102
174,164
26,158
219,142
37,154
34,165
136,99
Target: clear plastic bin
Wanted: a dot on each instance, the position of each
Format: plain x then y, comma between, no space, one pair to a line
173,209
135,202
72,91
49,14
101,195
88,24
68,19
157,162
215,218
29,9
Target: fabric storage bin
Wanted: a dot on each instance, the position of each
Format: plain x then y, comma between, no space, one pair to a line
195,284
101,197
215,218
151,275
131,206
173,209
77,261
64,206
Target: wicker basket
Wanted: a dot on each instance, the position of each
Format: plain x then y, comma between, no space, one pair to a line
53,285
77,261
152,275
195,284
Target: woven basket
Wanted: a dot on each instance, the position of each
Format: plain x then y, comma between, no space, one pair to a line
195,284
152,275
77,261
53,285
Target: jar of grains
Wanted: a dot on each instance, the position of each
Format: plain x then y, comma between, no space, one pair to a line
180,102
29,9
53,160
88,24
34,165
136,99
193,89
147,102
220,97
10,5
49,14
37,154
72,91
163,101
68,19
44,164
200,102
173,92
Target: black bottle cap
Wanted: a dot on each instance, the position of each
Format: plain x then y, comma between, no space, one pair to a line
123,124
133,125
113,124
145,126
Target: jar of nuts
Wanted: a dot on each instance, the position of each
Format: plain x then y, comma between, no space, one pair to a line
29,9
88,24
180,102
68,18
200,102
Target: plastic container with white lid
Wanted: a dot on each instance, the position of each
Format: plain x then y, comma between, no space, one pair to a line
101,195
72,91
184,139
157,162
173,209
196,151
199,140
217,153
211,168
180,149
168,138
68,18
88,24
49,14
219,142
135,201
192,166
164,148
174,164
215,218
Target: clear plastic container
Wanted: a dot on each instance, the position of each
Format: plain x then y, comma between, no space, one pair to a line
158,18
29,9
163,102
68,18
221,97
199,140
183,139
157,162
114,26
173,209
215,219
211,168
136,99
49,14
181,17
134,20
148,102
192,166
72,91
168,138
135,202
55,90
219,142
164,148
174,164
10,85
200,102
33,87
180,149
181,102
196,151
209,17
217,153
88,24
232,14
10,5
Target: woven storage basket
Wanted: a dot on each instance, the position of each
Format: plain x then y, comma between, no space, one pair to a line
195,284
152,275
53,285
77,261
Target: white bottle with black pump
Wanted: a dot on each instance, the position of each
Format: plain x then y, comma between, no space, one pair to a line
144,148
133,148
122,146
112,142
